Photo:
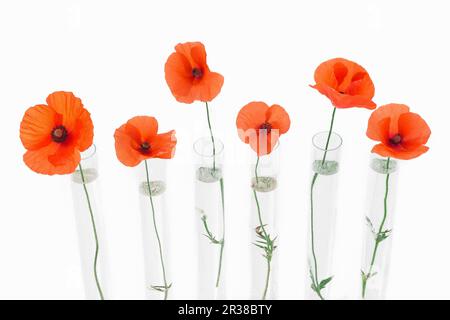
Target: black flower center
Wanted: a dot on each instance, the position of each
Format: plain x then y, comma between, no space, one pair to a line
59,134
395,140
145,147
197,73
266,127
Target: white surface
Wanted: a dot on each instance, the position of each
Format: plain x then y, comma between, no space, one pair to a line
112,55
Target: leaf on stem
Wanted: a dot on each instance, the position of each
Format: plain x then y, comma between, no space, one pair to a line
324,282
161,288
265,242
383,235
378,236
321,285
370,225
367,276
209,234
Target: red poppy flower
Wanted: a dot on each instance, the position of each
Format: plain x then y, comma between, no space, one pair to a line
188,75
345,83
55,134
260,126
138,140
402,134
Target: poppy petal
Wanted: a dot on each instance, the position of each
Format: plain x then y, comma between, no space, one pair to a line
65,155
146,126
178,77
378,130
324,73
208,88
401,154
340,72
391,111
48,161
250,118
198,54
163,145
126,147
186,49
36,127
362,85
67,105
278,118
343,101
413,130
84,130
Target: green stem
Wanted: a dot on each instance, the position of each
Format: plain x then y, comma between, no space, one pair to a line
222,242
263,229
166,287
329,135
316,278
380,230
97,282
257,202
212,136
314,179
266,287
256,170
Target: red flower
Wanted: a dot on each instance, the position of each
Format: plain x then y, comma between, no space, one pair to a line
138,140
260,126
345,83
55,134
188,76
402,134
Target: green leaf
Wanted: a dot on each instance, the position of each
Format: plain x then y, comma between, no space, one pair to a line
259,246
370,225
367,276
324,282
264,242
209,234
364,276
161,288
383,235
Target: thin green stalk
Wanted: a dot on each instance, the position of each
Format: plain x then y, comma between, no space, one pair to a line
378,239
329,135
222,242
256,170
94,228
257,202
212,136
166,287
269,242
315,278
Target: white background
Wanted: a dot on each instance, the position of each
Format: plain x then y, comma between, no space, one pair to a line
112,55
